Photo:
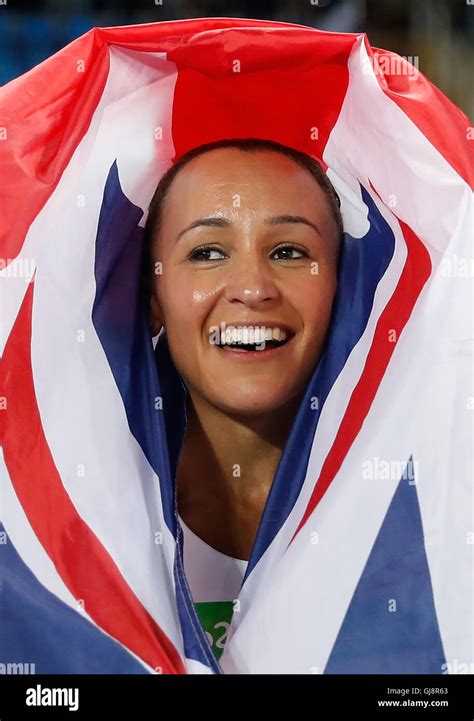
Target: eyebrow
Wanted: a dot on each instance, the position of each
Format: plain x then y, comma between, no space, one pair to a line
219,222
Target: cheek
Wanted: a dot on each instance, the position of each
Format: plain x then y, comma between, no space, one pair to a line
187,302
314,298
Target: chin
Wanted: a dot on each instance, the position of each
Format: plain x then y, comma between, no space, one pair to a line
253,402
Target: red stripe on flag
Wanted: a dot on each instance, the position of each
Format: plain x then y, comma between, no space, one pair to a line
415,273
80,559
285,84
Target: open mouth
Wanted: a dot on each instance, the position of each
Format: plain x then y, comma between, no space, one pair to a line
235,343
252,341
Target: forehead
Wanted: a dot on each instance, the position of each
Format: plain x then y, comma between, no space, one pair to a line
260,178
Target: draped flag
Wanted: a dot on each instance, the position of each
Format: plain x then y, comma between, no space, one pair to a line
363,558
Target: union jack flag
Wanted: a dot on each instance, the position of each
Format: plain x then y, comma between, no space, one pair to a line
372,502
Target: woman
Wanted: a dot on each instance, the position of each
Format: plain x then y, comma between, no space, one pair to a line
246,236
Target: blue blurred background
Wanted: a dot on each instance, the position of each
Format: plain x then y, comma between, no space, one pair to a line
440,33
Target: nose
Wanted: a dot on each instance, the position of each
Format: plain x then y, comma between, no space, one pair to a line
250,281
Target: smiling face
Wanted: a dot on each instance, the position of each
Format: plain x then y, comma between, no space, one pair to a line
255,263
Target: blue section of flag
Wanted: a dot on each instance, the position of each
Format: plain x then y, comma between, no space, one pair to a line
391,626
55,638
352,305
120,318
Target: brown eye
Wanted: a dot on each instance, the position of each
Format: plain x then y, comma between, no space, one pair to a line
203,253
288,249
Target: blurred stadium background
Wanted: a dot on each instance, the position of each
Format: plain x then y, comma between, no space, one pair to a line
440,33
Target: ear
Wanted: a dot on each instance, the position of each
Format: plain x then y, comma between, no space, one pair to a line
156,316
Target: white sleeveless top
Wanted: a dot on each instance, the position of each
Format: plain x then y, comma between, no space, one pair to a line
212,576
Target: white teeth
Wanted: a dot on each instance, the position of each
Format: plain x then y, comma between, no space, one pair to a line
231,336
251,335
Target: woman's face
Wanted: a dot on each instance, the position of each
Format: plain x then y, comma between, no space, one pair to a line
246,275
